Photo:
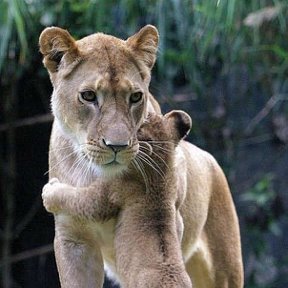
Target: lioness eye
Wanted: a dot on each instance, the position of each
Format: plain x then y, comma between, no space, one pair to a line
136,97
89,96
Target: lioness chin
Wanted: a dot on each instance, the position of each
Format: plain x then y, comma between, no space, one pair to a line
100,99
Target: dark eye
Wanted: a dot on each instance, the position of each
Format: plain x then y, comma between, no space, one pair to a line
89,96
136,97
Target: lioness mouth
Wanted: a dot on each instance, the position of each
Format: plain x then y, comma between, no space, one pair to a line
113,163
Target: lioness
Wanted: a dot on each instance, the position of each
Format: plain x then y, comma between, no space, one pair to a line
147,241
100,99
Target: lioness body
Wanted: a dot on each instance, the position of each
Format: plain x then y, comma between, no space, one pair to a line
211,240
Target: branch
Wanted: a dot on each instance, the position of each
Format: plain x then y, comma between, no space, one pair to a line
29,254
263,113
27,122
27,218
9,185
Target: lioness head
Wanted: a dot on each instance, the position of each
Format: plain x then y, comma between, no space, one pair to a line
100,91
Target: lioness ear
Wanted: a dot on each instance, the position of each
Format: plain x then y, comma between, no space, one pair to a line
145,44
54,44
180,123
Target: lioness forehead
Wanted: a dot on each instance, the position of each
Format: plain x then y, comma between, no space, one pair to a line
108,54
107,85
106,64
89,43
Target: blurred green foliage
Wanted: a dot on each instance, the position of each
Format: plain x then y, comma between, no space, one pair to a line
263,208
230,55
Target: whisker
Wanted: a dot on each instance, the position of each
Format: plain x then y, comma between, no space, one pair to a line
169,150
73,164
74,167
156,154
143,156
61,148
79,173
67,147
158,145
152,161
144,172
137,164
58,163
159,141
86,171
88,174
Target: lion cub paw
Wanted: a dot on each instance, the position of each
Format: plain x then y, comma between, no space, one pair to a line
52,194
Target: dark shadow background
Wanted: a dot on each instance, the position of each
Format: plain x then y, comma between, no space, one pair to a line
224,62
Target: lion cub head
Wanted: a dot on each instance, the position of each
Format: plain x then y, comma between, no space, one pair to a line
158,138
100,91
169,128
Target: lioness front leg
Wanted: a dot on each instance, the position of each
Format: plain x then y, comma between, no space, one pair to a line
79,261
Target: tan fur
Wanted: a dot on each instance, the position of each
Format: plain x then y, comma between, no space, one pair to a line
147,215
115,69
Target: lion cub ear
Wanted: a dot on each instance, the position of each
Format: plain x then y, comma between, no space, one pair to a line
180,124
55,43
145,44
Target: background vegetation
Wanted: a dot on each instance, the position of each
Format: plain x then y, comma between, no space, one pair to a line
225,62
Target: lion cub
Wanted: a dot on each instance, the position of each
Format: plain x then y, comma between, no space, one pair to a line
144,200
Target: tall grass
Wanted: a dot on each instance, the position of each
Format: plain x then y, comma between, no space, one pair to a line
14,19
190,30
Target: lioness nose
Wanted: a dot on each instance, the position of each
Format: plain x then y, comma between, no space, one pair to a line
116,146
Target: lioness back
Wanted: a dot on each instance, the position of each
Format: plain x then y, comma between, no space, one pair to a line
211,241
